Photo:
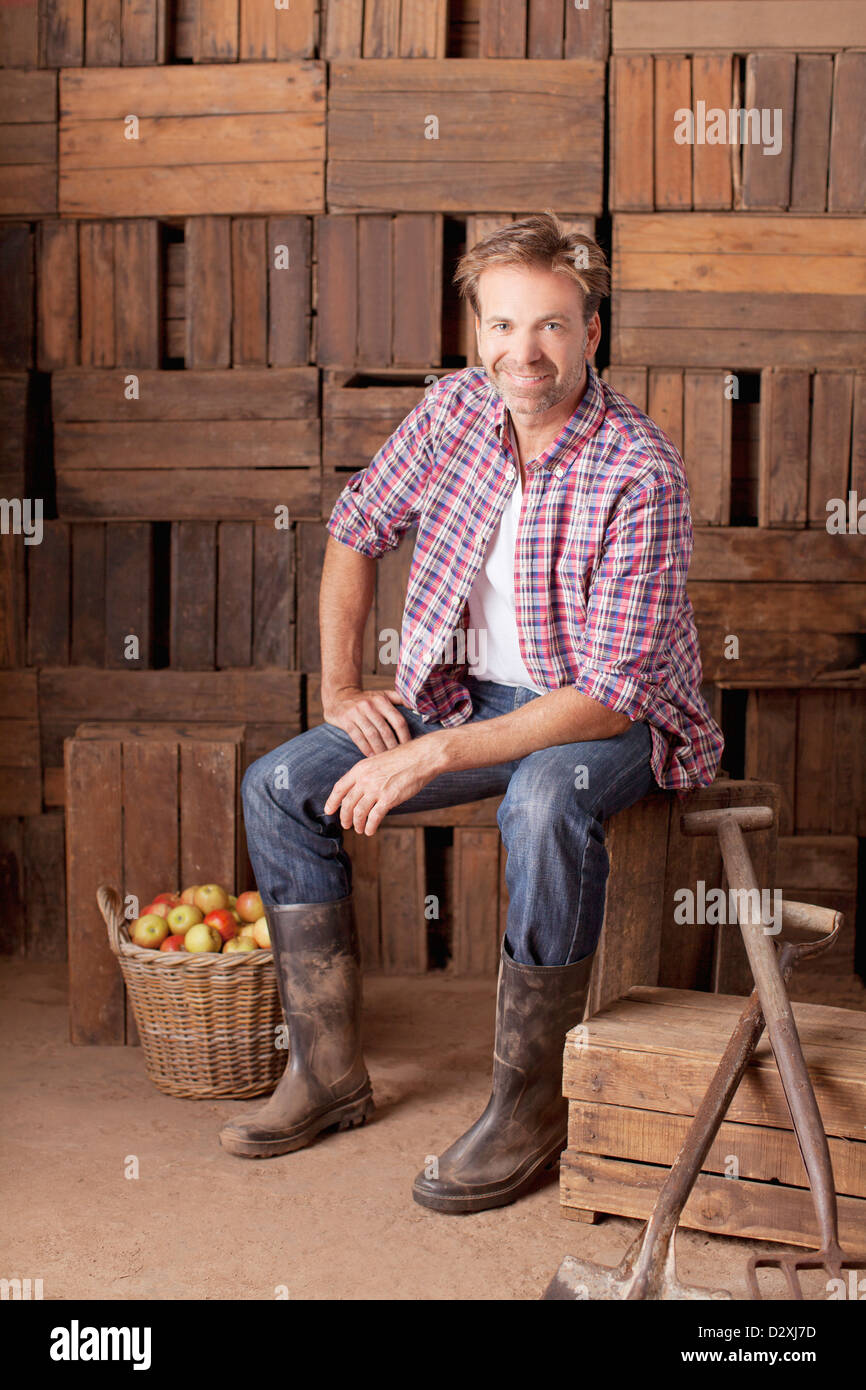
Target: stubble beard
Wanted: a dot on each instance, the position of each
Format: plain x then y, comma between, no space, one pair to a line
556,390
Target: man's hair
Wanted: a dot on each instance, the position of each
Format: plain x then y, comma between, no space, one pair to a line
541,240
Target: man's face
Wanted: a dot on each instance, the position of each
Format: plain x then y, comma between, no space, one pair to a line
532,340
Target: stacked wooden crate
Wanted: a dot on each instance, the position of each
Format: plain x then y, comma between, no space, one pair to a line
227,238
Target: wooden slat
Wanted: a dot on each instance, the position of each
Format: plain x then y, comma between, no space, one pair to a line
196,494
673,162
193,595
137,293
733,25
784,459
45,880
243,397
707,446
815,731
502,30
417,295
770,79
289,290
631,382
249,285
632,126
381,28
208,292
587,30
94,854
375,284
363,852
423,28
830,442
102,40
811,132
273,596
546,30
143,32
216,33
16,303
745,552
87,646
19,35
630,942
62,33
771,742
96,281
750,1210
402,890
475,940
57,295
848,809
665,403
711,164
765,657
344,27
337,298
209,779
234,611
297,27
48,609
847,189
129,574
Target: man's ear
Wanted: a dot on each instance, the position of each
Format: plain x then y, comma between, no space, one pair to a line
593,335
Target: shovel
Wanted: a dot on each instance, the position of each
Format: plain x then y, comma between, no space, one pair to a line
648,1269
788,1052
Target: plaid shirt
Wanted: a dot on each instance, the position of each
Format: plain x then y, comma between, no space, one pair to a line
603,549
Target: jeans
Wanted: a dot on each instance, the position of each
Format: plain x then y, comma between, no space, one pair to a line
553,804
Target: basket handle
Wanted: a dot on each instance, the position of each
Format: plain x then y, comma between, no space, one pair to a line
111,907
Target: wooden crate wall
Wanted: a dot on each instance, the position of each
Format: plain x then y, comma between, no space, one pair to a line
28,142
465,29
664,26
819,166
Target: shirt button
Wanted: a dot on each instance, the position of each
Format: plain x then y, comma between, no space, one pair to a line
512,472
560,472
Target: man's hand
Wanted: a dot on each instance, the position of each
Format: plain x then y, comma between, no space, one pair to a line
369,718
376,784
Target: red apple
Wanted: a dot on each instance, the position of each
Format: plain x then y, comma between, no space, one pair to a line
158,909
203,938
172,943
188,894
180,919
250,906
210,897
224,922
171,898
149,930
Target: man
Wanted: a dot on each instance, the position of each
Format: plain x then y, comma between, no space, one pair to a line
552,522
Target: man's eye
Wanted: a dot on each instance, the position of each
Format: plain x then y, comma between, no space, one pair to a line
553,324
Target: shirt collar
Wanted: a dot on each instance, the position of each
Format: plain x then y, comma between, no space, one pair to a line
582,425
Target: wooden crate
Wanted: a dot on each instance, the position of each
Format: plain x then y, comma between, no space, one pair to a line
704,289
148,809
193,445
518,135
817,166
133,34
28,143
385,28
661,1047
244,138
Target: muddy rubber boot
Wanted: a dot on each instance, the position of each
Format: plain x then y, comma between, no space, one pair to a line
325,1084
524,1128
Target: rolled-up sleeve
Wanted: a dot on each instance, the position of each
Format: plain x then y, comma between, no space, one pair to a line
635,598
382,501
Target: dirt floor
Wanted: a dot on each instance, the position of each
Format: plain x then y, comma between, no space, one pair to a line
334,1221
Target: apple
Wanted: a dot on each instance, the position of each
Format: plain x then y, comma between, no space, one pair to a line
210,897
224,922
250,906
201,937
158,909
236,915
248,930
239,943
232,899
180,919
261,934
188,895
172,943
171,898
149,930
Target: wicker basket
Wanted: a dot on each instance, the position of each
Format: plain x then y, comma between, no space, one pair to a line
208,1023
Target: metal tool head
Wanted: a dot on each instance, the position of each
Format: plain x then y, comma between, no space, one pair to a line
628,1282
791,1262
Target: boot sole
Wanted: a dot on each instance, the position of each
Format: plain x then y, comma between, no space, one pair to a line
350,1115
462,1203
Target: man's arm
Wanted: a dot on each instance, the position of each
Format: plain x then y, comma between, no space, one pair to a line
560,716
345,599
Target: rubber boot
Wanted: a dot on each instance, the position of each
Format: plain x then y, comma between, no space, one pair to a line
325,1084
524,1128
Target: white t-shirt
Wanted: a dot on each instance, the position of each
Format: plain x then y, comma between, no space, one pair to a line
492,617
